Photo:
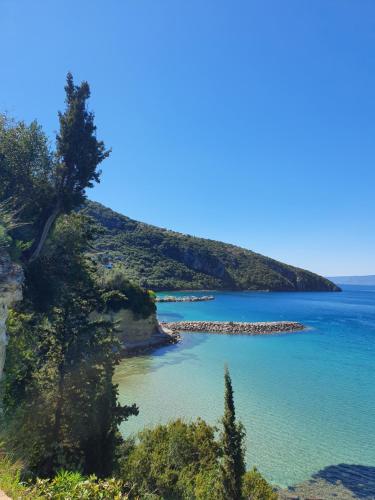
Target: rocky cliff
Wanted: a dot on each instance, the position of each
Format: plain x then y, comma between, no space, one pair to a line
136,333
11,279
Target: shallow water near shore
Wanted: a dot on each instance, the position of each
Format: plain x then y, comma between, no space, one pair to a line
307,399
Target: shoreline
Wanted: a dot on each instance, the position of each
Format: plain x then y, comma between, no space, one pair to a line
332,482
234,327
162,337
168,333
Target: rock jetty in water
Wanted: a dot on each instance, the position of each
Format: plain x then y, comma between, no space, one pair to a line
234,327
186,298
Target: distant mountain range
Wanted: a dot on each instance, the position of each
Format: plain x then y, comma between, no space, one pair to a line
353,280
160,259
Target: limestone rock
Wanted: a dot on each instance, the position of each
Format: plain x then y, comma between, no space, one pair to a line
11,279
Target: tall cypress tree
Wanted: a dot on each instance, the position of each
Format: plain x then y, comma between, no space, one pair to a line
77,159
233,446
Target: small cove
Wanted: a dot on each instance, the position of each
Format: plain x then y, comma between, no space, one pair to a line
307,401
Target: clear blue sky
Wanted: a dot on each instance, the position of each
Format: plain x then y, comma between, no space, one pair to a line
248,121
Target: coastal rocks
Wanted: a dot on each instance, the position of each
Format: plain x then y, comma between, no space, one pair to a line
320,490
11,279
231,327
337,481
190,298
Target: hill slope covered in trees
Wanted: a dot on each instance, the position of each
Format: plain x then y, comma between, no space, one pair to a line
166,260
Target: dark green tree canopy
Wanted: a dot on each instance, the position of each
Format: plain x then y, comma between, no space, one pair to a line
26,173
78,151
60,404
76,160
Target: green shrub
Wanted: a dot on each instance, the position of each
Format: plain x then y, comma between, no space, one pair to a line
65,485
208,484
61,487
177,460
5,240
122,294
71,485
255,487
10,479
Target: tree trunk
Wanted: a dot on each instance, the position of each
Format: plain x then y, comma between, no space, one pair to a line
49,465
59,403
39,244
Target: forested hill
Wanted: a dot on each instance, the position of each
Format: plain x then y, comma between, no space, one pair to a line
160,259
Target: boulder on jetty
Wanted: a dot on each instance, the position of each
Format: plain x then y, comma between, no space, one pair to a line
234,327
186,298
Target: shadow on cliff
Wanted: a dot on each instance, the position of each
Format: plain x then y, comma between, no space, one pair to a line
359,479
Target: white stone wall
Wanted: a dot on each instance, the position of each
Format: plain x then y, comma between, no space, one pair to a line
11,279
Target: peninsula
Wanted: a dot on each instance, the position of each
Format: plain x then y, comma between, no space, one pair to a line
160,259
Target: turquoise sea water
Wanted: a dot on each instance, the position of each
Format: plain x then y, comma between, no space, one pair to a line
306,399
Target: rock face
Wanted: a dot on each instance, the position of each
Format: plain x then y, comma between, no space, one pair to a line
11,279
199,260
139,334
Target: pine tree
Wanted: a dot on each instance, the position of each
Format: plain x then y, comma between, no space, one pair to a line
233,446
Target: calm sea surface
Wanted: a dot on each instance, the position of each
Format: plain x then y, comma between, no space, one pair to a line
307,399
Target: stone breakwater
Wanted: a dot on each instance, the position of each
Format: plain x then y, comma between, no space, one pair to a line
190,298
234,327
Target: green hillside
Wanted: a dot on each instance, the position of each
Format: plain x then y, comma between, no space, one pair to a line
166,260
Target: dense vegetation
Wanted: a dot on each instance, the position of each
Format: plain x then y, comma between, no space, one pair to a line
58,385
179,460
59,405
59,411
165,260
